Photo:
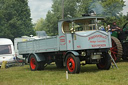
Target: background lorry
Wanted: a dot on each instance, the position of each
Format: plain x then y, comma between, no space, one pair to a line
78,40
120,43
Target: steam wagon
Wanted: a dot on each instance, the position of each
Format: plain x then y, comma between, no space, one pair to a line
78,40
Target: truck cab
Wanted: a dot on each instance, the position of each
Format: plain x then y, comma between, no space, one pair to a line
83,33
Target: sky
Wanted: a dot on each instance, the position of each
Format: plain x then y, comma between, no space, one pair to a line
39,8
126,7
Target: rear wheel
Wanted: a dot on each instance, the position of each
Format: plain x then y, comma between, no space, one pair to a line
116,50
34,64
72,64
105,62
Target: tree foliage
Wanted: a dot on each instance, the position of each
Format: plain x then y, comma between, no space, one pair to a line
39,24
113,7
15,19
120,20
75,8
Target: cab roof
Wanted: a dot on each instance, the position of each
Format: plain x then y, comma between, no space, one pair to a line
84,18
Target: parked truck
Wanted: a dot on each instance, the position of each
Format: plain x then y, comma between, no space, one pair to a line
78,40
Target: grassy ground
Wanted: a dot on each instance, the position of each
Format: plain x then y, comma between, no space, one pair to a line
89,75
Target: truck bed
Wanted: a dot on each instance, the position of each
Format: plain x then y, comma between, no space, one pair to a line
38,46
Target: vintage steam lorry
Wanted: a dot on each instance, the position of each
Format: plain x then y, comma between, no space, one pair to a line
78,40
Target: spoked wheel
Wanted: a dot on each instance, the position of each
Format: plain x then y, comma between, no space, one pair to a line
116,50
72,64
105,62
34,65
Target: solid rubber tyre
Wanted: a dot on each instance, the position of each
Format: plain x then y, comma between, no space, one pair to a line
72,64
105,62
34,65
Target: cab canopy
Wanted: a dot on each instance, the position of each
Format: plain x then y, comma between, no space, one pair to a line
81,24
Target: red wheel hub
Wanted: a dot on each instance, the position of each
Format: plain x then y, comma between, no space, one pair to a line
114,50
32,63
71,64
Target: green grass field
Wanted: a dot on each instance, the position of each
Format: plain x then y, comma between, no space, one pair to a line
89,75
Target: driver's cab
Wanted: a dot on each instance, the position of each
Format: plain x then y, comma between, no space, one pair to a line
74,31
82,24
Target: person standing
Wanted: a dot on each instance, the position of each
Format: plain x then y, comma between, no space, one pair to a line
114,27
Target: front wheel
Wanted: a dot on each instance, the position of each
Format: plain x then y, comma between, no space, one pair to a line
72,64
105,62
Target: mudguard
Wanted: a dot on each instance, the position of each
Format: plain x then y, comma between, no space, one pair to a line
73,52
39,57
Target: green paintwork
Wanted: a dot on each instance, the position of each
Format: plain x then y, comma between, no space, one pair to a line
114,34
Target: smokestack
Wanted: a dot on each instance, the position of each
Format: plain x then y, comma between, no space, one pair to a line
91,13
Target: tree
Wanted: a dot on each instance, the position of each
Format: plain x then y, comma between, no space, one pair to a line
112,7
75,8
71,10
83,7
39,24
15,19
120,20
52,23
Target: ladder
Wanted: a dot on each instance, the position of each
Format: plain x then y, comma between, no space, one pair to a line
113,61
